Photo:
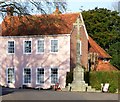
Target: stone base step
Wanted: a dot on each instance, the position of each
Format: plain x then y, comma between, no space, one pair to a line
98,91
86,84
88,90
91,90
65,89
89,87
83,87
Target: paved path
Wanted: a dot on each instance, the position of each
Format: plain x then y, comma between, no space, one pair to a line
30,94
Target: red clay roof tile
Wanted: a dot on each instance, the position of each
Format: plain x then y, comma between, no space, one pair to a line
94,47
105,66
38,24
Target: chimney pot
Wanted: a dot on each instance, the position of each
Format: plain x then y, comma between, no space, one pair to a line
57,11
10,11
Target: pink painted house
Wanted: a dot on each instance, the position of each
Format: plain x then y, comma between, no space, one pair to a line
34,61
39,50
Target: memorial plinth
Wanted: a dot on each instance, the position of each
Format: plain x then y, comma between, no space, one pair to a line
78,83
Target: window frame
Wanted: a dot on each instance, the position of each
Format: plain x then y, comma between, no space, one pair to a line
37,75
51,75
13,75
8,48
24,47
51,46
37,46
24,75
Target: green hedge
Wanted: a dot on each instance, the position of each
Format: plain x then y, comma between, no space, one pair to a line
96,78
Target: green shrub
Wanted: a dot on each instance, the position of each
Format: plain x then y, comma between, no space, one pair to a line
95,79
111,77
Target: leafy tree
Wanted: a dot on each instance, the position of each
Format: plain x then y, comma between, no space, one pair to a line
104,27
114,50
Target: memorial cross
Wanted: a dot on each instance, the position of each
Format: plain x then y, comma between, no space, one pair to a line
78,23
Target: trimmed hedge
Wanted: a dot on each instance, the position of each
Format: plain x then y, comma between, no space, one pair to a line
95,79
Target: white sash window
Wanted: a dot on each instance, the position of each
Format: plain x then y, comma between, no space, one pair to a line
11,47
54,75
40,75
27,47
40,46
10,75
54,45
27,75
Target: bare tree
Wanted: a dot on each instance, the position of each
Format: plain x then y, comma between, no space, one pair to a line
31,6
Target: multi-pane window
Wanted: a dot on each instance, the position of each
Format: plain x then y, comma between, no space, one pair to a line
11,47
27,46
40,46
54,75
40,76
10,75
27,75
54,45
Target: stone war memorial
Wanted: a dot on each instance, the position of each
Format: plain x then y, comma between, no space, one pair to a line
78,83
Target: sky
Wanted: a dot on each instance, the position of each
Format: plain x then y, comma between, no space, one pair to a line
79,5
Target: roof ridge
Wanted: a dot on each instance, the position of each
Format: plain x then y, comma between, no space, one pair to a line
46,14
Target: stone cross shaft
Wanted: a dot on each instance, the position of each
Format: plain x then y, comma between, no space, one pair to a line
78,24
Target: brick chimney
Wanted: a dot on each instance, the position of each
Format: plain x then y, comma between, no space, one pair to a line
10,11
57,11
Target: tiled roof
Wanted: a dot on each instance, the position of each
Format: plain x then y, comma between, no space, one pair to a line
105,66
38,24
94,47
